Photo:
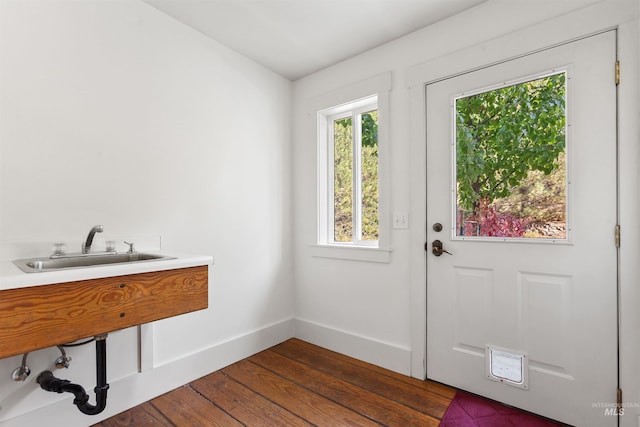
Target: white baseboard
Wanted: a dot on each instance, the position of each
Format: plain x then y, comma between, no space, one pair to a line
386,355
133,390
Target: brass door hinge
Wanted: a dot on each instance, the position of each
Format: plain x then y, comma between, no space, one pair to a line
617,235
619,402
617,73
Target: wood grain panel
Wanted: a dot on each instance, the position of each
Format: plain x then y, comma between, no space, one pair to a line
44,316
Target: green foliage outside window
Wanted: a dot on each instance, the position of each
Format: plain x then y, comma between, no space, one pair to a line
343,181
343,178
370,176
509,142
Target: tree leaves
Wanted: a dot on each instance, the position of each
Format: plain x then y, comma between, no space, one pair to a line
370,129
503,134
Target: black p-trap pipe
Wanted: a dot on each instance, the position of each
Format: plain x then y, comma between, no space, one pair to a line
49,382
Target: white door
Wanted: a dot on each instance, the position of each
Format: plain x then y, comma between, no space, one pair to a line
528,321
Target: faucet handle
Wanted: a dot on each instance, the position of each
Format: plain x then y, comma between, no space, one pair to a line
131,248
59,249
110,246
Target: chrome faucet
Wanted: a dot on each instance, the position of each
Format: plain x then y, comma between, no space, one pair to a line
86,247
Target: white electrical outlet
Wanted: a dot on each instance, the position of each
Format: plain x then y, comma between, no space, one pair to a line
400,220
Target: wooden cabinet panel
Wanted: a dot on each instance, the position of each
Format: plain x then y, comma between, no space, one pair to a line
48,315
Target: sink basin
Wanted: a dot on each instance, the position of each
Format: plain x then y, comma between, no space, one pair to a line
37,265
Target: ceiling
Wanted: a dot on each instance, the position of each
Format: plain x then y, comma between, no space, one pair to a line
295,38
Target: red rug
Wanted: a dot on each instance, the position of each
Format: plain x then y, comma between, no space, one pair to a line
467,410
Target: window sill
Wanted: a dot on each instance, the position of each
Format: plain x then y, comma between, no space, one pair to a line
352,253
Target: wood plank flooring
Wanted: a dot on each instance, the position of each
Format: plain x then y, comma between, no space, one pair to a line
295,384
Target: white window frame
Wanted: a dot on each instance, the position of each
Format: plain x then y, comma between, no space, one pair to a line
346,102
353,111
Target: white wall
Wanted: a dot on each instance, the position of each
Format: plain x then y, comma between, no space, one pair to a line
369,310
368,300
113,113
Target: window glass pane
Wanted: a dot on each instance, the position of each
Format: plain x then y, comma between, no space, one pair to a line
369,175
511,161
343,180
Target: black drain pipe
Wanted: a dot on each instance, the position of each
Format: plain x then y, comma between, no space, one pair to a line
49,382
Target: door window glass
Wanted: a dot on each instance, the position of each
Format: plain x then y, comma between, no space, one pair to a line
510,161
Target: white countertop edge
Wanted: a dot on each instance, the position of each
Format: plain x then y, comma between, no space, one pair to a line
11,277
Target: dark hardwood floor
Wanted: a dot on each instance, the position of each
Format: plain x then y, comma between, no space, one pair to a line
295,384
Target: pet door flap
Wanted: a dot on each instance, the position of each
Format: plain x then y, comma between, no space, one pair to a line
507,366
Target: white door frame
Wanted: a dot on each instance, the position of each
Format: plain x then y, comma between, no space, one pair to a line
558,31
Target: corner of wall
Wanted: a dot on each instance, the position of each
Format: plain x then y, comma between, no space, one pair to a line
386,355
